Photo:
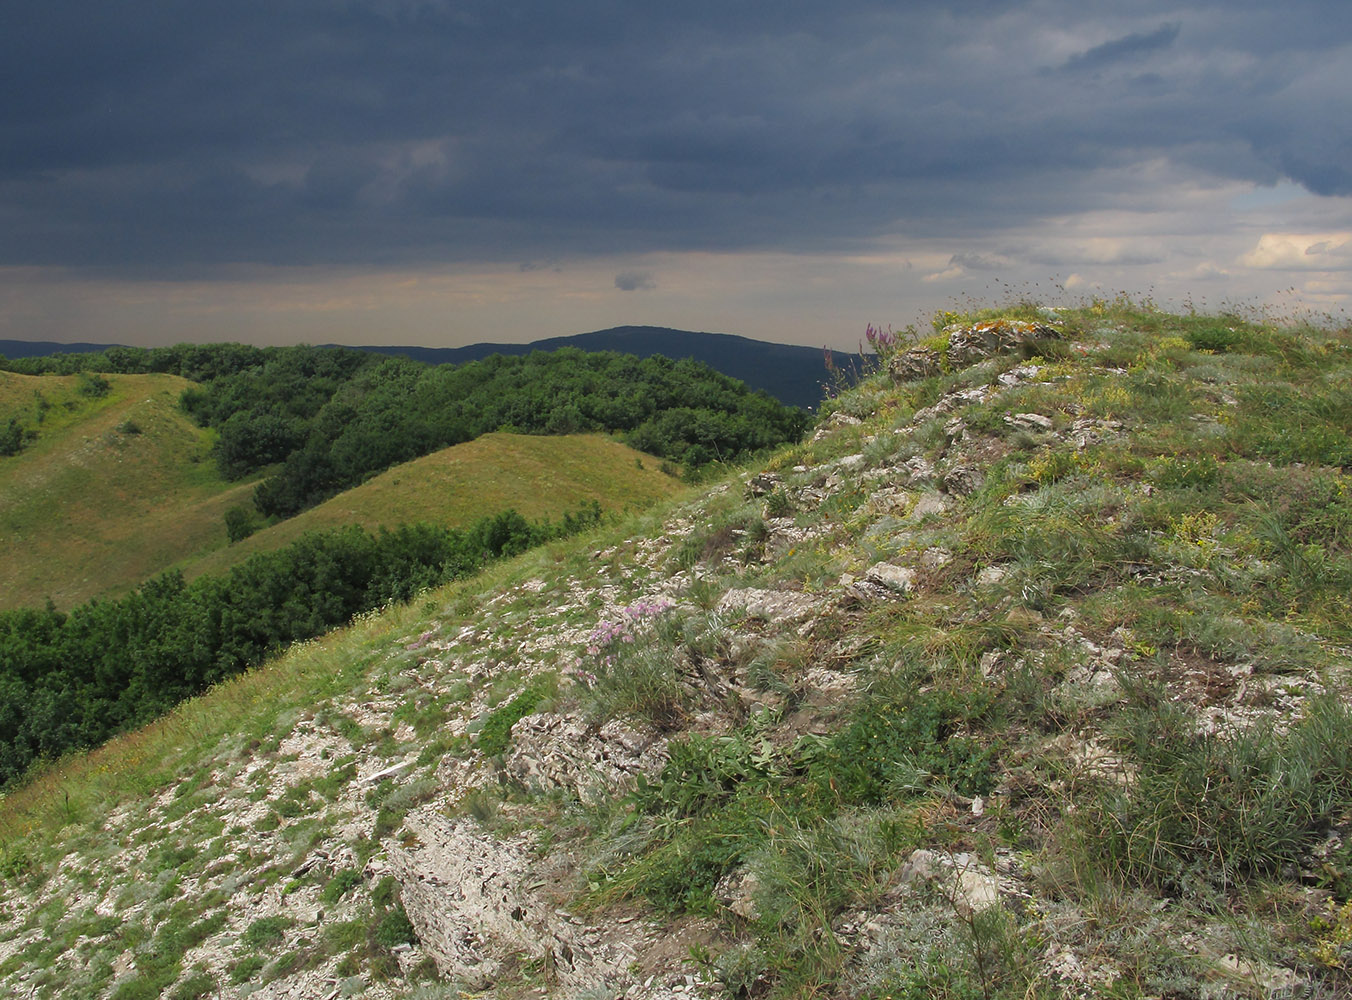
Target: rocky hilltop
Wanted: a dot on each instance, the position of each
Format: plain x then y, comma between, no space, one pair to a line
1025,676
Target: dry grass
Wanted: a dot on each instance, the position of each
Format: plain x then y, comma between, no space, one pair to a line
113,490
537,476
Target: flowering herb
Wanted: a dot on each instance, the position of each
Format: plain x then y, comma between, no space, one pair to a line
881,342
609,636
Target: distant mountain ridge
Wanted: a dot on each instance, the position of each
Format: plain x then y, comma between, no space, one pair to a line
791,374
42,348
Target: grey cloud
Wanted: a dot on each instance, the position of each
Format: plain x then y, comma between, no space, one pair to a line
153,139
635,281
1124,48
977,261
1329,175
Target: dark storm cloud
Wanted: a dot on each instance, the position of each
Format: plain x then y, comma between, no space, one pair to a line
172,137
1123,48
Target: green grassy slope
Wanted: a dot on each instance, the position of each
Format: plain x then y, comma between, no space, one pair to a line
1026,678
119,488
112,491
539,477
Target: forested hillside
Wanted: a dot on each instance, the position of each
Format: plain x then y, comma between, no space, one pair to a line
789,373
332,417
396,409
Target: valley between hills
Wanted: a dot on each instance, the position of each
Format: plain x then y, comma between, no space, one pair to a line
1023,674
120,489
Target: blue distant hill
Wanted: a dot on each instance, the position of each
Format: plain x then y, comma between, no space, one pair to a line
42,348
793,375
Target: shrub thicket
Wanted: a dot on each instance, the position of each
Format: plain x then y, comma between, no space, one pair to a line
71,680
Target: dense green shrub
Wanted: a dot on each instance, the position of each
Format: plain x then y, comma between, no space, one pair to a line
12,438
496,734
70,680
93,386
240,523
891,748
265,932
338,886
394,928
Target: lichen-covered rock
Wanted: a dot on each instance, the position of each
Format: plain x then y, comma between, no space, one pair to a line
989,576
1088,431
963,480
898,579
970,344
833,423
737,891
929,505
919,471
917,363
771,605
969,885
1029,421
763,483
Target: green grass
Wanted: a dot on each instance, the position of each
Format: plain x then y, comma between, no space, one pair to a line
130,482
496,734
540,477
91,510
1210,810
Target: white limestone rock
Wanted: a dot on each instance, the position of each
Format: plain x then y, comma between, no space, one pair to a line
898,579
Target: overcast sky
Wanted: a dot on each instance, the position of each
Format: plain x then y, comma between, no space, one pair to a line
439,173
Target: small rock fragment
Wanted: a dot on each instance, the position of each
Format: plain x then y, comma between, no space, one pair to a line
900,579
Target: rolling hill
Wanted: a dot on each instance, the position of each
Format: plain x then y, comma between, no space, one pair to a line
119,488
539,477
113,490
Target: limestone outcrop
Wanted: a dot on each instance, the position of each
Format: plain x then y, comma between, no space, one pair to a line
968,344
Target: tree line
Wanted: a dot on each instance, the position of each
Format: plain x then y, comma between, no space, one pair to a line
70,680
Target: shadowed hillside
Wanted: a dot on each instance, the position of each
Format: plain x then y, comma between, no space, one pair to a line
794,375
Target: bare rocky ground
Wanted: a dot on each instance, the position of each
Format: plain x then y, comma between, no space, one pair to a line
461,822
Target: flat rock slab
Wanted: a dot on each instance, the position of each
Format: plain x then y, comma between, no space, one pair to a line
969,885
474,904
558,751
772,605
1029,421
898,579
